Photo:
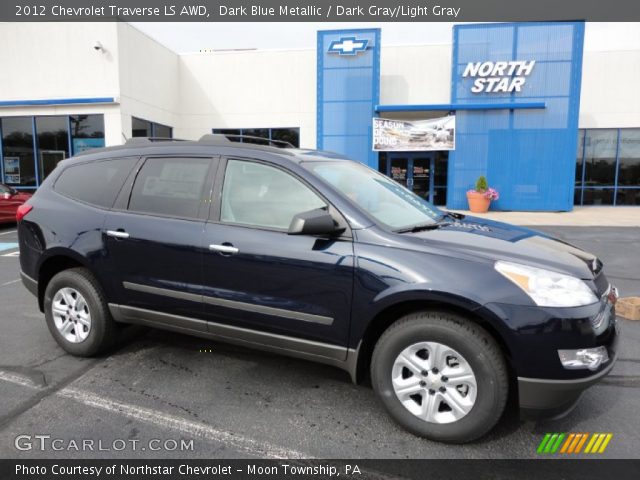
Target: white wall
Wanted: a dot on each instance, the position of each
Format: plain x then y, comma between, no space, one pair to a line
148,75
415,74
248,89
57,60
610,95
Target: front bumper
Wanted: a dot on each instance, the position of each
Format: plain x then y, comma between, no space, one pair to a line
535,334
543,398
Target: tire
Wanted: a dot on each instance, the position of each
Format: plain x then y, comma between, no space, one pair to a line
70,330
425,408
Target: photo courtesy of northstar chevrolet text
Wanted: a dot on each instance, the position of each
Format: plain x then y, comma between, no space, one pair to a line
357,239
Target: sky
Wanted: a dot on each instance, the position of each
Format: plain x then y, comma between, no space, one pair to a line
193,37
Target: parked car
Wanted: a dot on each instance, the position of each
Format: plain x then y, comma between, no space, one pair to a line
312,255
10,200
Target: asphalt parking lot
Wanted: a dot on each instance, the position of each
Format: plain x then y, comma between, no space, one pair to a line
234,402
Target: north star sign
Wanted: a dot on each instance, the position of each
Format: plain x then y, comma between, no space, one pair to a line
348,46
498,77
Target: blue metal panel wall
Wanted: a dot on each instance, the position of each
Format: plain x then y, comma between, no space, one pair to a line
528,155
348,91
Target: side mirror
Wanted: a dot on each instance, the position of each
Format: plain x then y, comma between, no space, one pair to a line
313,222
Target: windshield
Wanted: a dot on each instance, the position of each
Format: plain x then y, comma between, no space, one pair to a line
387,201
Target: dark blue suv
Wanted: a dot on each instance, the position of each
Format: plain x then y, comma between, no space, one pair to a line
309,254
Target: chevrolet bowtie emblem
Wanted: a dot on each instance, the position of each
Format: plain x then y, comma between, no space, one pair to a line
348,46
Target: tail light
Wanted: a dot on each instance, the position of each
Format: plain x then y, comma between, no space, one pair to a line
22,211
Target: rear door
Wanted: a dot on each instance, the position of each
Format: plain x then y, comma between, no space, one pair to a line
155,239
258,277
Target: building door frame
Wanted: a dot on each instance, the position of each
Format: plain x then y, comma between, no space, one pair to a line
411,157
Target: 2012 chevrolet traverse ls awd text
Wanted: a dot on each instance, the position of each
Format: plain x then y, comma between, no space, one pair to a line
312,255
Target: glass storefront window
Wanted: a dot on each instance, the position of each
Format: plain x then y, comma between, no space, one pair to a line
608,158
145,128
17,152
579,158
440,196
25,165
628,196
290,135
440,172
53,143
600,157
629,169
87,131
598,196
162,131
140,128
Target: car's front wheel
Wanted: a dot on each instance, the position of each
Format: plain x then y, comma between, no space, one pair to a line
77,314
440,376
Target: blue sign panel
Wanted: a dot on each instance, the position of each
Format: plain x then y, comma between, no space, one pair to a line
528,155
348,90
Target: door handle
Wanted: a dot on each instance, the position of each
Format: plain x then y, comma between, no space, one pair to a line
228,249
117,233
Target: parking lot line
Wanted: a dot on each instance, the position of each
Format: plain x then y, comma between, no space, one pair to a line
17,379
10,283
8,246
164,420
8,233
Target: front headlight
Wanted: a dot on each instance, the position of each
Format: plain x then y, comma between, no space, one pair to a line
547,288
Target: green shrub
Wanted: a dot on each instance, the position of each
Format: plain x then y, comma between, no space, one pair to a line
481,184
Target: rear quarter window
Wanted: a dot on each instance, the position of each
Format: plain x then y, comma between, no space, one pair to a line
96,183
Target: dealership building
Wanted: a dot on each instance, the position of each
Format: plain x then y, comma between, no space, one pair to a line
550,122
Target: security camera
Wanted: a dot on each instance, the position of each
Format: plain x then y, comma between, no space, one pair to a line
98,47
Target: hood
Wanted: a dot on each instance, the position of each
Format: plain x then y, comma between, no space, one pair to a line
501,241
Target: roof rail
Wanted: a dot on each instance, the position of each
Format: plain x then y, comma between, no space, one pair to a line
145,140
220,138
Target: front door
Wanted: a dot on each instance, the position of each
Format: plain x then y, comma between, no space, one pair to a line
258,277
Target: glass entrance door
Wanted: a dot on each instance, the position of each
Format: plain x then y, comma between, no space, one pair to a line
414,170
421,173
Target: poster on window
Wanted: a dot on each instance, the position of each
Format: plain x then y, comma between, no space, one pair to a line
82,144
415,135
12,170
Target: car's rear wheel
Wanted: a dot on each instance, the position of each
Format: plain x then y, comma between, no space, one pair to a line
440,376
77,314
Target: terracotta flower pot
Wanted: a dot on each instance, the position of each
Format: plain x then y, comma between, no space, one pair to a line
478,203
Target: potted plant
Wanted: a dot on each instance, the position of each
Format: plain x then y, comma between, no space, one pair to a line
480,197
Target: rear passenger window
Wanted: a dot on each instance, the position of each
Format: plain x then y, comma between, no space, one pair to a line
170,186
96,183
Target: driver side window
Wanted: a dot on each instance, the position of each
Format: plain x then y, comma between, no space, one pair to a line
263,196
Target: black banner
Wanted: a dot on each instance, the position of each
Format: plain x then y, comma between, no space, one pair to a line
539,469
317,10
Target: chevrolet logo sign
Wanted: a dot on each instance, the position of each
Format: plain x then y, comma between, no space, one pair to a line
348,46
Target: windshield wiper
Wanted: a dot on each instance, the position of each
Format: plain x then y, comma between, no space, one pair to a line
422,226
454,215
